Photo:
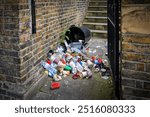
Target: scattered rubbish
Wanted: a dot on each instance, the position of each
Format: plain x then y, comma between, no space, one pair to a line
52,72
103,70
89,63
46,72
60,63
57,77
77,45
55,85
105,77
73,66
51,52
48,61
84,74
89,72
66,73
75,76
67,68
72,57
97,69
105,62
79,67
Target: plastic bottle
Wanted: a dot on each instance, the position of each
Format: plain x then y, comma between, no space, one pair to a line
45,65
75,59
60,49
52,71
68,58
54,57
73,66
60,55
49,62
84,64
79,67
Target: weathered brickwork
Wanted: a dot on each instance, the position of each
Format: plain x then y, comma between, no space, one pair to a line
9,48
136,49
21,51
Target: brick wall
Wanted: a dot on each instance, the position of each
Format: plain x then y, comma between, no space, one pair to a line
21,51
136,49
9,49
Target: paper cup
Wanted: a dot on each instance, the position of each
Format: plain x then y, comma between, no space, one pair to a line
84,74
90,64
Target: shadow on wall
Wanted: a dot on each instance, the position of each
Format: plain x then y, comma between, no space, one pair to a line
135,1
139,18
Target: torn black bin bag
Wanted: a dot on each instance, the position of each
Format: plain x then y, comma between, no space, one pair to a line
74,34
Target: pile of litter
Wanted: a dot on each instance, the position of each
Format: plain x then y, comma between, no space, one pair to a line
74,59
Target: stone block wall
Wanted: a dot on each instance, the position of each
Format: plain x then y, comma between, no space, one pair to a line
136,49
21,51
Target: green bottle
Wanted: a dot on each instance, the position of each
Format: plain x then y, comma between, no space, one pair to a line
67,68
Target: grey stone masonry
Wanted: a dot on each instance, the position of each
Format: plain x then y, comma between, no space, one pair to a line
135,49
96,18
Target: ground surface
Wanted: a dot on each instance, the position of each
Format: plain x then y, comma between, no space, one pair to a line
96,88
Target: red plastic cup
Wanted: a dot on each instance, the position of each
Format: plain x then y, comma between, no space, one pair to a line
55,85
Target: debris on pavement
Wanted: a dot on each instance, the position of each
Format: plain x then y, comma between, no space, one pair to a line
76,59
73,61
